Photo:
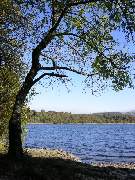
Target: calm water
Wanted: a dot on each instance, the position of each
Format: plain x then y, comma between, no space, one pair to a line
91,142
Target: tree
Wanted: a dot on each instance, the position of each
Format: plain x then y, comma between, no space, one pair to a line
74,37
12,69
9,85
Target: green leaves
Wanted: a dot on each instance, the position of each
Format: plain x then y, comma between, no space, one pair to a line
9,86
12,69
77,23
116,68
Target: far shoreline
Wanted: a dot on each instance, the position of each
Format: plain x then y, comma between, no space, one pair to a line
77,123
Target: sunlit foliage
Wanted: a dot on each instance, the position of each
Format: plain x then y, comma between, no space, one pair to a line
12,69
82,40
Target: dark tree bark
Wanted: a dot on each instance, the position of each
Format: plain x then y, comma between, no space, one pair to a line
15,143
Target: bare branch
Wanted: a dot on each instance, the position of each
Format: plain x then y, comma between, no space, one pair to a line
48,74
68,69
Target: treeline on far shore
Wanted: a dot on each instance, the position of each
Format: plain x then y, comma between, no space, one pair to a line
65,117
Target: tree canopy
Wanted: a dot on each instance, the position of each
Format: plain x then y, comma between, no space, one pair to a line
77,36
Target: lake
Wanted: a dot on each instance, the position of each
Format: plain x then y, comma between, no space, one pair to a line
90,142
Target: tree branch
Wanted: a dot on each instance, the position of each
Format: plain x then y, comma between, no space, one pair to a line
48,57
46,40
49,74
66,34
82,2
53,13
82,38
68,69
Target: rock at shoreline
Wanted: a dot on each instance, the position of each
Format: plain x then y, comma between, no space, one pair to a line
115,165
46,164
48,153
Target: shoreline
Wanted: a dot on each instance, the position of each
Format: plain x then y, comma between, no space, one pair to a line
60,165
64,155
59,153
51,153
77,123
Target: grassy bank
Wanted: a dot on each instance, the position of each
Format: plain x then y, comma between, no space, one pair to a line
40,164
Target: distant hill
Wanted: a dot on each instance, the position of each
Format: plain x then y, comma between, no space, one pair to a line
131,113
108,113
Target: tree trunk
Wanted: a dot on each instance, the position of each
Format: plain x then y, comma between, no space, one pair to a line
15,142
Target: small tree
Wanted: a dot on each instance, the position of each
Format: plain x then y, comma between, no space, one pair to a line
74,37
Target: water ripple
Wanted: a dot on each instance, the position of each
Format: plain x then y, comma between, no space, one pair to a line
91,142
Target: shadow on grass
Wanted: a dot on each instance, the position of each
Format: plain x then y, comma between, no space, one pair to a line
39,168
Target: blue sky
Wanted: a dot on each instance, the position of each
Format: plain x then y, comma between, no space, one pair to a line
77,101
